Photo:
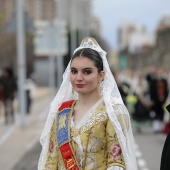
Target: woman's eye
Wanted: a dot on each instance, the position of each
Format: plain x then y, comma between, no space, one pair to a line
73,71
87,72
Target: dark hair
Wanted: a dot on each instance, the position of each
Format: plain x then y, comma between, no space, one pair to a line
92,55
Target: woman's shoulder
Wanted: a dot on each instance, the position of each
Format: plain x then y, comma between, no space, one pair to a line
101,106
101,110
116,107
120,108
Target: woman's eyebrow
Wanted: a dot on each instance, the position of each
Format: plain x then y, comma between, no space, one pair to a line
88,68
72,68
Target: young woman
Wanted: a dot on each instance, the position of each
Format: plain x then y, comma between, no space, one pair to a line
88,126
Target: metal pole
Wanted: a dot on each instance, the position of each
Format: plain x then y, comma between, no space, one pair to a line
86,18
21,60
52,75
79,21
60,66
58,9
73,26
60,69
38,7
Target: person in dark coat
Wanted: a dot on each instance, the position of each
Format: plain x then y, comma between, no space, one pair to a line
121,86
165,158
1,95
158,88
8,83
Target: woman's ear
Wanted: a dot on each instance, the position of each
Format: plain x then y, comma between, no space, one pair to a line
101,75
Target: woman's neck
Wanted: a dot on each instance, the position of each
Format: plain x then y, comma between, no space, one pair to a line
84,103
88,100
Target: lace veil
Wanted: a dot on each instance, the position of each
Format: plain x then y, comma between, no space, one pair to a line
116,110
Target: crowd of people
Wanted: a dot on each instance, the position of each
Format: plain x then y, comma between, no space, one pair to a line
146,94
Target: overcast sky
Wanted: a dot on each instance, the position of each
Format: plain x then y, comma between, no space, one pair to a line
112,12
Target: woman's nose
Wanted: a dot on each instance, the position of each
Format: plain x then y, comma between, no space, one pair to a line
79,76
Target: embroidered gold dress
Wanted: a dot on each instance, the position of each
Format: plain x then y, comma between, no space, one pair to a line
93,140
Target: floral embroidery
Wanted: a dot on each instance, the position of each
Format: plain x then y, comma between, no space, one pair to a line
52,146
115,151
92,132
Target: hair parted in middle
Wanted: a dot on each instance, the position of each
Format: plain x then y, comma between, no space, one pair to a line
92,55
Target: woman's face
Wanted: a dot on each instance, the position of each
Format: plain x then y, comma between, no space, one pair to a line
84,75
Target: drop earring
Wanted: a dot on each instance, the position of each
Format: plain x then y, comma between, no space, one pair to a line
99,88
72,91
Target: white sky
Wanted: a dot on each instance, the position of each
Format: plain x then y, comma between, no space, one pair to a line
112,12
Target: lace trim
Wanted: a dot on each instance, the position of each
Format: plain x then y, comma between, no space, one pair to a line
77,139
115,168
92,117
95,119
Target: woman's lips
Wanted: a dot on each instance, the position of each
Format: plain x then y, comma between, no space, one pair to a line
80,85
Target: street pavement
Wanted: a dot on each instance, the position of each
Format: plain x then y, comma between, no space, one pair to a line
149,149
21,149
30,160
16,140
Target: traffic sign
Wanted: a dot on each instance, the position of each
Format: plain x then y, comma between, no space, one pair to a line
28,24
52,42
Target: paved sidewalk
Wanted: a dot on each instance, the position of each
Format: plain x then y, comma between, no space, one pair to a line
30,160
16,141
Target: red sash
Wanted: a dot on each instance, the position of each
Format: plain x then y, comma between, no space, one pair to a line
63,136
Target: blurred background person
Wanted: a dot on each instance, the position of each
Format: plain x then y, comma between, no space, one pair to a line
165,163
120,85
30,93
1,95
166,114
158,89
142,105
131,82
9,87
